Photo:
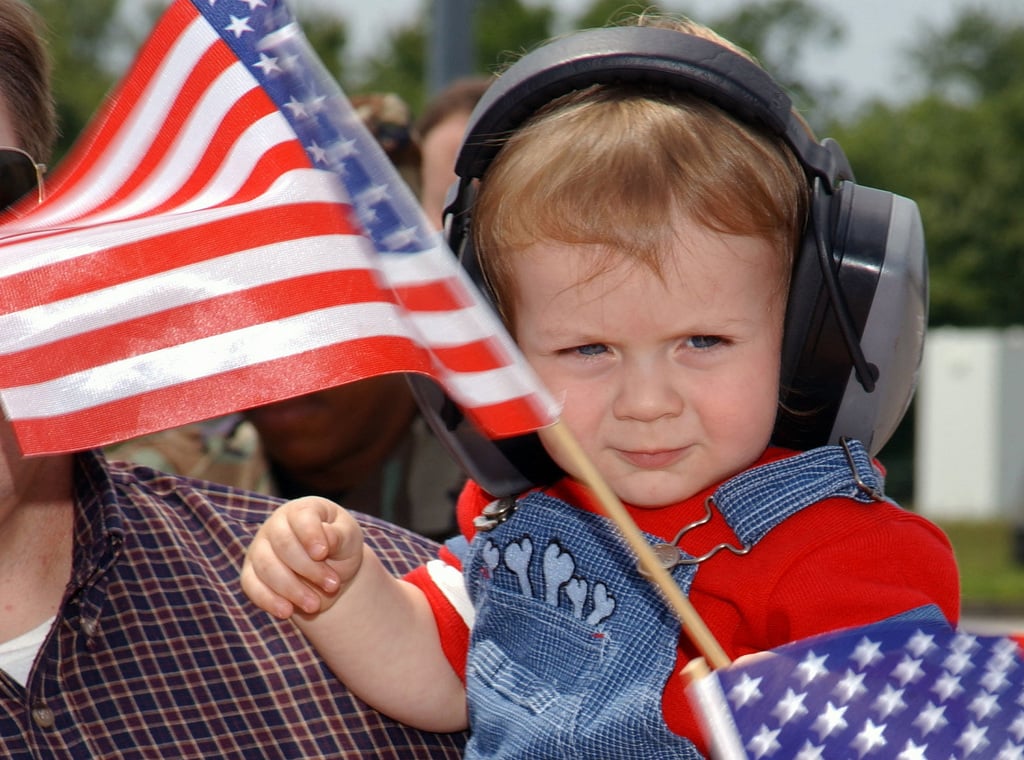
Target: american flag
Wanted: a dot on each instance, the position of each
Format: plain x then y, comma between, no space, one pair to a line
892,691
226,233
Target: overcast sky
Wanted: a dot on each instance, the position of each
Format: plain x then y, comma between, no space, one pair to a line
868,63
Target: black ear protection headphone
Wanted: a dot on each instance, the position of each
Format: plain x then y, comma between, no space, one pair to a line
857,310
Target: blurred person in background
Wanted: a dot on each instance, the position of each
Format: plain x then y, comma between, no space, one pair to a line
439,132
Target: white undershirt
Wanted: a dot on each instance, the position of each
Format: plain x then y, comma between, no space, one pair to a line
18,654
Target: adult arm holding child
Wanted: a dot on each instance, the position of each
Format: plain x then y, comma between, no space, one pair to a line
375,631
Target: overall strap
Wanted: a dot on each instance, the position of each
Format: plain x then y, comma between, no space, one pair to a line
757,500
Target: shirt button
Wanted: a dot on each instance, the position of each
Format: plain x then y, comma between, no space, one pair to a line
43,716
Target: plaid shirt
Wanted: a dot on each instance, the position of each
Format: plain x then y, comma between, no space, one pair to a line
157,653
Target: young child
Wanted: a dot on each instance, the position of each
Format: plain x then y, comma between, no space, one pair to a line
639,243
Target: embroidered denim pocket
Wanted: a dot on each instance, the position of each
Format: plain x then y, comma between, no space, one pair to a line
544,652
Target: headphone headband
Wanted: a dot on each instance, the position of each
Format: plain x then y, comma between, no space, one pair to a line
633,55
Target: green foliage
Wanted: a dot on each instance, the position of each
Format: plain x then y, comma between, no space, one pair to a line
328,36
604,12
80,36
980,55
505,29
775,32
399,66
962,160
991,565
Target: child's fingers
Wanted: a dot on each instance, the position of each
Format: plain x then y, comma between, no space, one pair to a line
294,551
263,596
315,522
279,575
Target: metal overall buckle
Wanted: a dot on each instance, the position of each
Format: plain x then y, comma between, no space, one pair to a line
669,555
863,487
495,513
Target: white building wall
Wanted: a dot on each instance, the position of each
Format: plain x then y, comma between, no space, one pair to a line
969,449
1011,424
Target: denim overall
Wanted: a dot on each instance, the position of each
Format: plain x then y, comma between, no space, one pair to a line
572,646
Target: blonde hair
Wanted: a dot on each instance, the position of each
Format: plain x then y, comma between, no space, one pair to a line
613,165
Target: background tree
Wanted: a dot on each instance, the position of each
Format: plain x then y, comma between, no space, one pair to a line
958,151
83,43
503,30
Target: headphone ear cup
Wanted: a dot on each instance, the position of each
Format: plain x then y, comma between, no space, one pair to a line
874,245
815,361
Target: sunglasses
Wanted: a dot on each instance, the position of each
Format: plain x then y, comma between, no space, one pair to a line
20,174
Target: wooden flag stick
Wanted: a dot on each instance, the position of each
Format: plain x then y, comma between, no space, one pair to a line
559,436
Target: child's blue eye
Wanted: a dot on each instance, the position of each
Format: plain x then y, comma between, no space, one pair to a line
592,349
704,341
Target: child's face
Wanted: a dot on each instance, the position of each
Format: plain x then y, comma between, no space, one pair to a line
670,383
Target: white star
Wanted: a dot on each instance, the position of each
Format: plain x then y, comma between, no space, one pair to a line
1010,751
964,642
1007,650
869,739
289,61
317,104
373,195
930,719
254,4
850,686
994,680
972,739
764,743
296,107
368,217
810,752
908,671
888,702
912,751
746,690
984,706
866,653
947,685
267,65
1017,727
812,667
1001,659
790,706
830,721
344,149
400,238
239,26
319,154
958,663
920,643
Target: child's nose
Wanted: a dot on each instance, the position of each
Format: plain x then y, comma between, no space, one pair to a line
646,393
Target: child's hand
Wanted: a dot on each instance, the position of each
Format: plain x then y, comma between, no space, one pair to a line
303,557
